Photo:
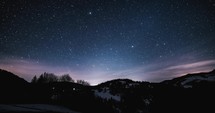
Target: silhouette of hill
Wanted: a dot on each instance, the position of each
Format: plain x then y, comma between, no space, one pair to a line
191,80
10,78
12,88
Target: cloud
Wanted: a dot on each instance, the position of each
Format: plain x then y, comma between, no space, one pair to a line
192,65
158,72
176,70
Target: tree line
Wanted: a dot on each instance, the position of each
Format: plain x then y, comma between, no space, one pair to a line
51,77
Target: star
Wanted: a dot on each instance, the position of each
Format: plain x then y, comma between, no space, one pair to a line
90,13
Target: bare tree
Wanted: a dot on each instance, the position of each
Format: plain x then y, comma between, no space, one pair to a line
66,78
47,78
83,82
34,79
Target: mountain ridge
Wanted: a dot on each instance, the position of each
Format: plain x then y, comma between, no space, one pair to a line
184,81
12,75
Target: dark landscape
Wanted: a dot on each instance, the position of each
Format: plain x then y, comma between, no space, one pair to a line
192,92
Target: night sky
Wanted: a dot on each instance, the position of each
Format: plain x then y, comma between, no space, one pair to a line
100,40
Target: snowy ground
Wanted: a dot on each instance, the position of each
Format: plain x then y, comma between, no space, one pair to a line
107,95
34,108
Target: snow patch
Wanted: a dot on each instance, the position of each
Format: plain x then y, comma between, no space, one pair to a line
198,79
122,82
147,102
133,84
187,86
107,95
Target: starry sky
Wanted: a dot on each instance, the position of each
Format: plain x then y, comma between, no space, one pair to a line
100,40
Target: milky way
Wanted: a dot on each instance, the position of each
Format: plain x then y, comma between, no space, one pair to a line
99,40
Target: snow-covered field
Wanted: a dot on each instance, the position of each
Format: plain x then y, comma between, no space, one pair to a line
107,95
34,108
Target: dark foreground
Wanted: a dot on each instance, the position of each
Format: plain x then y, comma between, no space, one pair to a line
190,93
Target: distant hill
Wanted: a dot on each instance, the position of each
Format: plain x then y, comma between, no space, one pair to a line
192,80
10,78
